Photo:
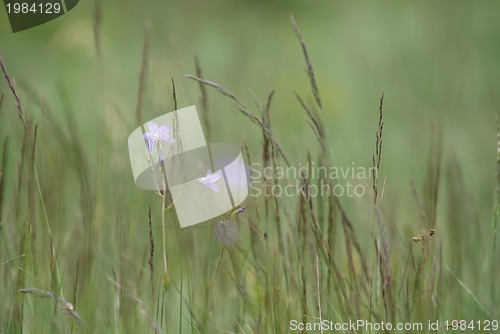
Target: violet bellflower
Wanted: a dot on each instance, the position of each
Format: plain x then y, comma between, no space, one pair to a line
210,180
156,135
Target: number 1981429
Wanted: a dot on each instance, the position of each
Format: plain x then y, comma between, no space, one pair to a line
38,8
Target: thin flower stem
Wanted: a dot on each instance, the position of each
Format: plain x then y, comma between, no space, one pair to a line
163,223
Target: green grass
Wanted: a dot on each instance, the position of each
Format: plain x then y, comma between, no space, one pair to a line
82,249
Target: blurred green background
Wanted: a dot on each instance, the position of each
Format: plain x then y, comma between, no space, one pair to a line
436,61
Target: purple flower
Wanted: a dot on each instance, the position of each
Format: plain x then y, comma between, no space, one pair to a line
149,144
156,134
210,180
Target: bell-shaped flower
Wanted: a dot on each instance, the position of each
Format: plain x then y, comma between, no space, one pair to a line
210,180
157,133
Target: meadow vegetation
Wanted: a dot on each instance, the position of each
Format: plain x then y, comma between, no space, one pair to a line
82,250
